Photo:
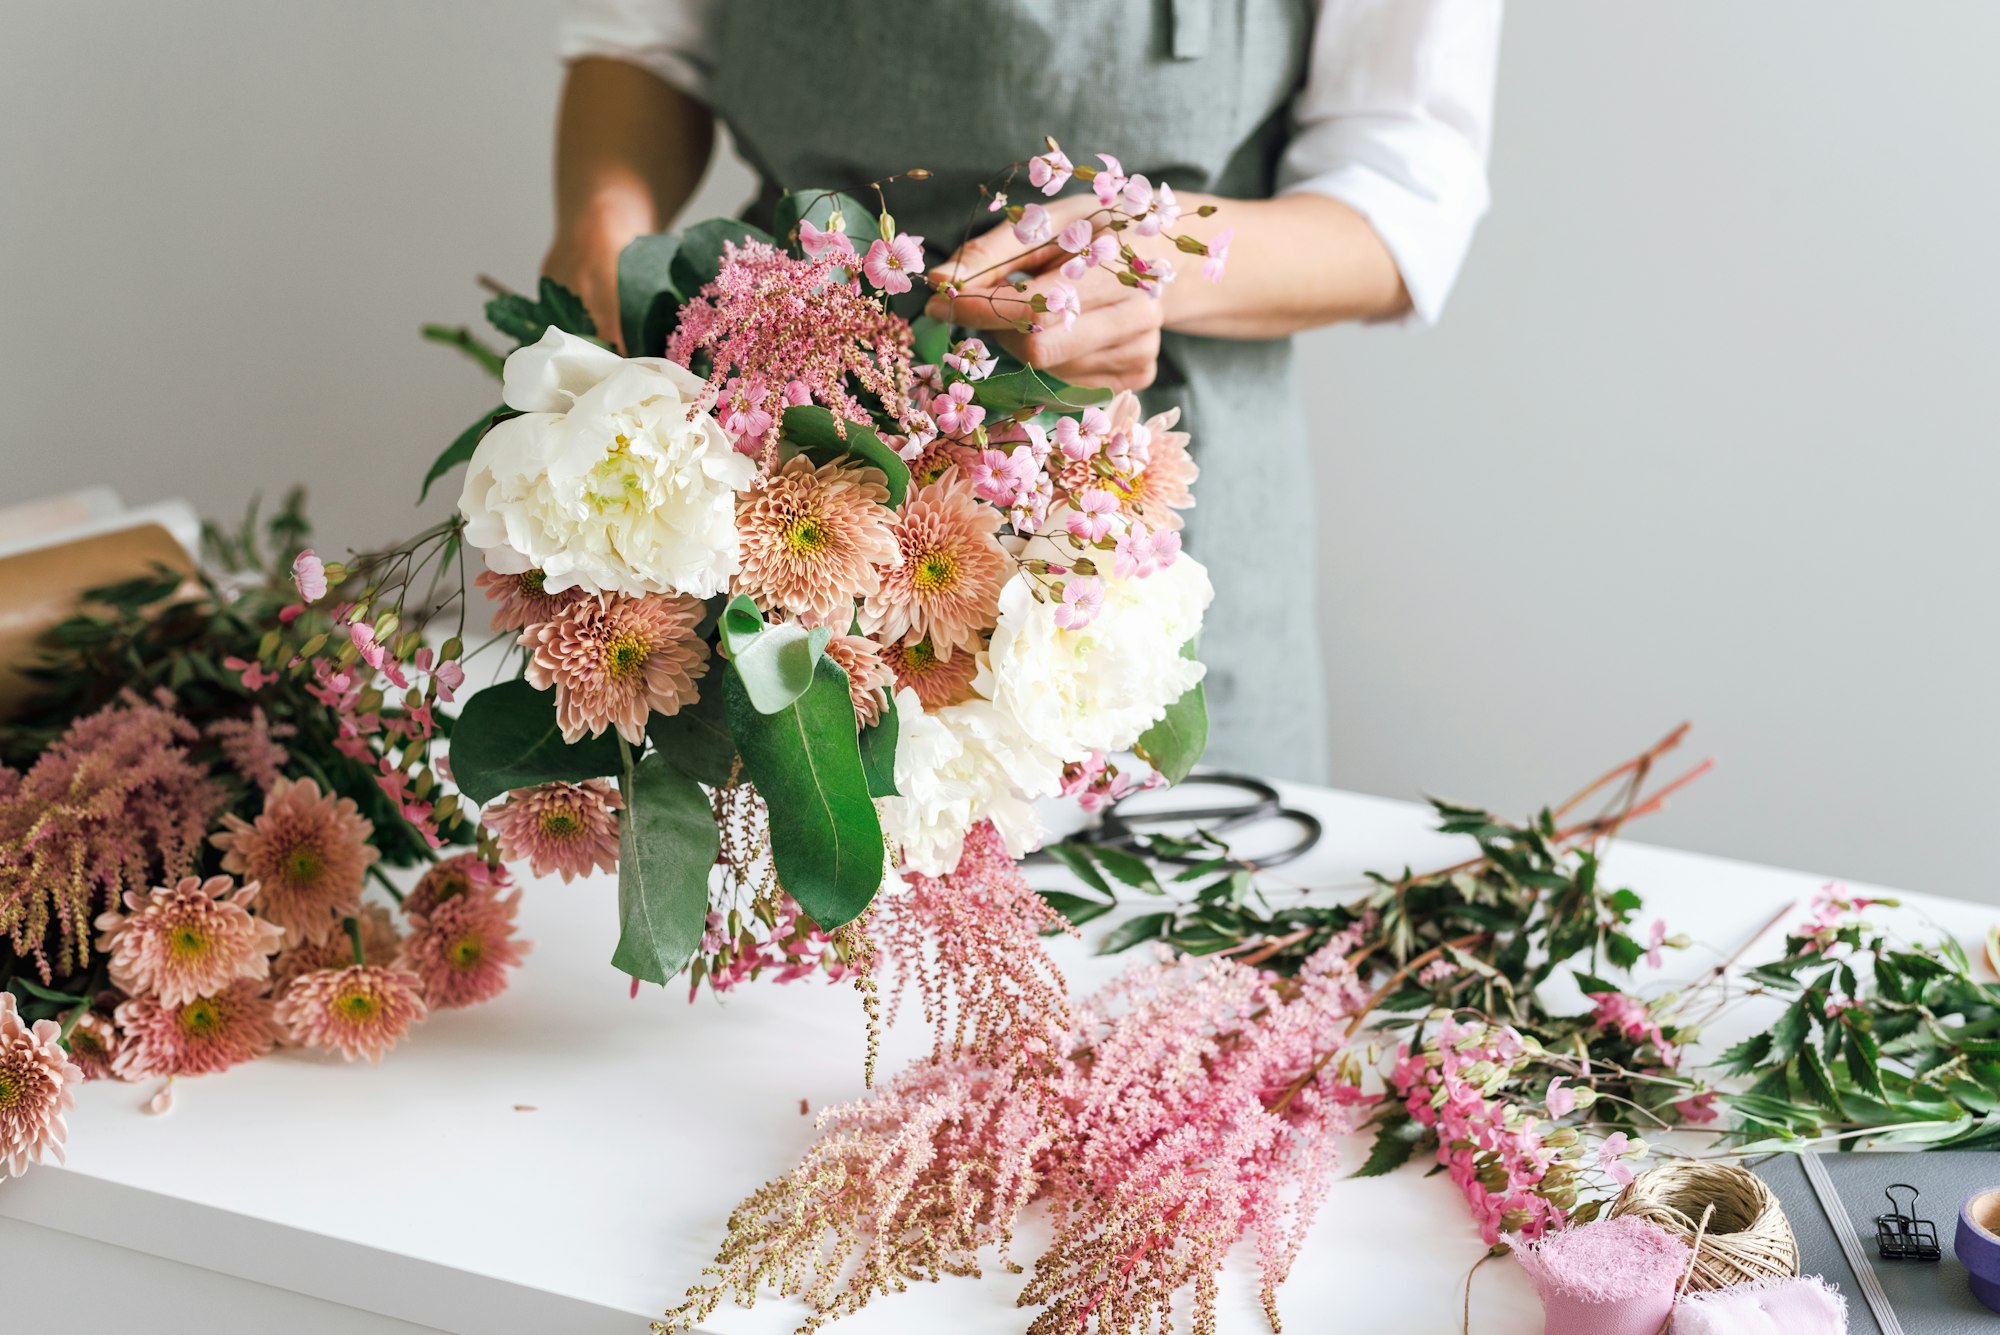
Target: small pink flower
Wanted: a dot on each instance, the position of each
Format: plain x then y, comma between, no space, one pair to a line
956,413
1561,1102
1034,226
1049,171
1076,442
1094,512
1164,213
1655,957
919,430
1110,180
797,395
972,359
815,241
371,651
449,676
890,262
1166,546
309,574
742,412
1611,1157
1698,1108
1138,195
1152,275
1082,600
1218,255
1063,302
255,678
1075,238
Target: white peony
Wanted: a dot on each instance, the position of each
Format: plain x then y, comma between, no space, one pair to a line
1097,688
958,765
612,481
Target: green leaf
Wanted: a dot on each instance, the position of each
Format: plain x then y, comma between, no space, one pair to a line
699,258
806,762
524,319
878,752
932,340
857,220
774,663
1394,1144
810,430
506,737
565,310
1590,983
1746,1056
1127,867
1012,391
1145,927
1788,1035
460,450
1078,909
696,740
1174,744
1817,1081
648,303
667,842
1077,858
35,989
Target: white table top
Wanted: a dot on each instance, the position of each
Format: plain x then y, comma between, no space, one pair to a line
563,1159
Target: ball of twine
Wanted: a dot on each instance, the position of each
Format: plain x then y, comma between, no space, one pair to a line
1747,1238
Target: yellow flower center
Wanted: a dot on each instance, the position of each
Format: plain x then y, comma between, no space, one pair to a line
625,656
466,952
357,1007
561,824
303,864
11,1091
201,1017
918,656
804,536
935,570
187,943
532,582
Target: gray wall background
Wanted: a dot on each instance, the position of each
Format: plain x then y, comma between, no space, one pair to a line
1708,431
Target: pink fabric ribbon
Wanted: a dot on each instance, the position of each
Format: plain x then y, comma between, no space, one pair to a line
1806,1306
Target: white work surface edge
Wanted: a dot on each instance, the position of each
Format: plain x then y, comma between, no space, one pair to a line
563,1159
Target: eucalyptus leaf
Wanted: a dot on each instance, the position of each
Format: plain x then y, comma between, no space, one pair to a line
1145,927
1175,744
819,206
1027,388
1127,867
667,842
810,430
774,663
1077,858
1077,909
506,737
805,760
932,340
699,257
696,740
648,302
878,752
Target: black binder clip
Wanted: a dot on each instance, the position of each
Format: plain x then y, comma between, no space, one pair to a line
1900,1235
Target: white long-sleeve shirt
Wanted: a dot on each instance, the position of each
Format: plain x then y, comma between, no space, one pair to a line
1394,119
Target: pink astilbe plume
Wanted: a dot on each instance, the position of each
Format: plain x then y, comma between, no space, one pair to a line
616,660
1207,1107
36,1080
309,853
197,1037
970,945
812,537
947,585
113,806
252,747
186,940
768,317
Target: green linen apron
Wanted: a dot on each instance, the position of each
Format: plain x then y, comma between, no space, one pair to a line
832,93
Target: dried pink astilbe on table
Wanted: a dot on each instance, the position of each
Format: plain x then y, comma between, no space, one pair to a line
788,329
116,805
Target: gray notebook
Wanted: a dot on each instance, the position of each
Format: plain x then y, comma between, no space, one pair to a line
1914,1298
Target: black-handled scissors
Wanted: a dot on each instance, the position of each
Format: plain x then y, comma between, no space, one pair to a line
1121,829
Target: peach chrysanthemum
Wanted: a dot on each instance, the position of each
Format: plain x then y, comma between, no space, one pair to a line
187,941
359,1011
616,658
379,943
35,1081
198,1037
463,948
869,680
93,1045
568,828
937,681
521,599
1165,486
462,874
948,585
307,851
812,537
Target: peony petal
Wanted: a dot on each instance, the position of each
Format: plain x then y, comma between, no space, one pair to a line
549,375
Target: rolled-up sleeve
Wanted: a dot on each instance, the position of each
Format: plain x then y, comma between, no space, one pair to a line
1395,121
670,38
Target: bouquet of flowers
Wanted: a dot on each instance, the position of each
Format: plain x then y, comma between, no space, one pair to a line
807,588
192,803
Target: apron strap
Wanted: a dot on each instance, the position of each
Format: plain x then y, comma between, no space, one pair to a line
1189,21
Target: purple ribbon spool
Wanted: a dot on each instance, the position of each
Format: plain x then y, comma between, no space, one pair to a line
1978,1244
